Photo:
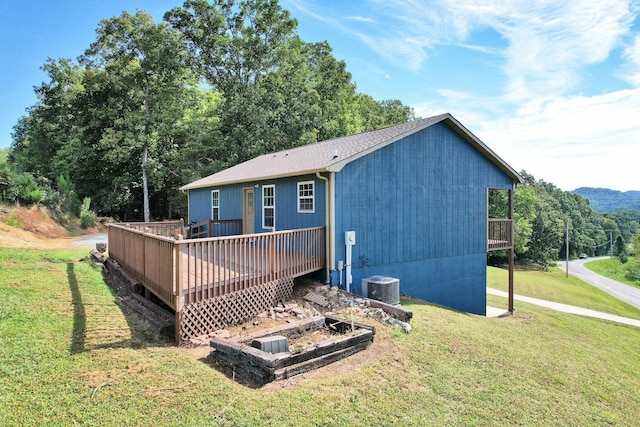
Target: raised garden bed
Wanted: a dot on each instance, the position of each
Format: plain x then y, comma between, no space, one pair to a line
313,343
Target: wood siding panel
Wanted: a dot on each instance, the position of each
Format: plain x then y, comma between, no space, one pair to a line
287,216
230,202
418,207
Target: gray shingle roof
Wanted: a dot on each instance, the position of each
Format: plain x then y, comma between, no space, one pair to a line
334,154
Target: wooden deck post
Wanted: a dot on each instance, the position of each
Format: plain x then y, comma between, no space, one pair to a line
272,254
179,298
511,252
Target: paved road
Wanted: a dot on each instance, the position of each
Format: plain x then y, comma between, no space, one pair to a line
619,290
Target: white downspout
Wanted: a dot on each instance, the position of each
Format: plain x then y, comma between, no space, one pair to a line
332,218
327,228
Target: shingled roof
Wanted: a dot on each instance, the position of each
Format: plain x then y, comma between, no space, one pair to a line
332,155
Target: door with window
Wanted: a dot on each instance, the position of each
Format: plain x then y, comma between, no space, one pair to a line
248,213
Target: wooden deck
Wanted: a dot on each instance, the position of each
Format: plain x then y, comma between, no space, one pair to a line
196,274
219,269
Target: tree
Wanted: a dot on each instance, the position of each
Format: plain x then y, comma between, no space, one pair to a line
131,121
148,61
620,250
38,137
279,92
235,47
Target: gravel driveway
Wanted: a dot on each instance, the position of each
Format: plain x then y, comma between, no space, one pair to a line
90,240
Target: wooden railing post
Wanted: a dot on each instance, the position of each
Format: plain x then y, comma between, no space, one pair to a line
272,256
511,251
178,297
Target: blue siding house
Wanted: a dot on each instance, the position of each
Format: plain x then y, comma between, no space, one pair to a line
408,201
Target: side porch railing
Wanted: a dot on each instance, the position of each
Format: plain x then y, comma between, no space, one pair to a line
215,228
499,234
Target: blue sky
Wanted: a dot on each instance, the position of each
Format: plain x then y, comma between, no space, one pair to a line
552,87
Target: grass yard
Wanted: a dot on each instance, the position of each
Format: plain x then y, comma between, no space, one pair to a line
552,285
612,268
70,356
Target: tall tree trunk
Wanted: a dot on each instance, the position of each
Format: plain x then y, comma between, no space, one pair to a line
145,188
145,155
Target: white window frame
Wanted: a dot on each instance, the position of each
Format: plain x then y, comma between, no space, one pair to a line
266,206
312,197
215,208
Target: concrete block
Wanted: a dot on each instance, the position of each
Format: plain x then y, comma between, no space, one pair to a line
272,344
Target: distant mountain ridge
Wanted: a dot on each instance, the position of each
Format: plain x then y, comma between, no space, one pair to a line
604,200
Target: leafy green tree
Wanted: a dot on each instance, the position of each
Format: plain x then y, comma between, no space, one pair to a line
148,59
236,47
620,250
38,137
627,223
279,92
632,267
131,121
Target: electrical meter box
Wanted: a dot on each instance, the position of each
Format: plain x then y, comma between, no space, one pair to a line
350,238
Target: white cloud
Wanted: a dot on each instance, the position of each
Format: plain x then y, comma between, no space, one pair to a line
362,19
549,42
572,141
457,95
631,70
403,52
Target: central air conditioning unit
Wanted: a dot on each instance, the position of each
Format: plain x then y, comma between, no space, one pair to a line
382,288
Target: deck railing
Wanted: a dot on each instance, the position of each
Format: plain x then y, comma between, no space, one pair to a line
216,228
499,234
184,271
163,228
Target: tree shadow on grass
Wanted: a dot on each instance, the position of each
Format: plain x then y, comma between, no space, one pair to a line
140,334
79,334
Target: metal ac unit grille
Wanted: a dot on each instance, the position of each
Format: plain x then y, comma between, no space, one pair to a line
385,289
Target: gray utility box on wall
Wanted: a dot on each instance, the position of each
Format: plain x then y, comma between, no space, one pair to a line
382,288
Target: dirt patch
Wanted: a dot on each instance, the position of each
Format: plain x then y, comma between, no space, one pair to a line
381,347
342,305
32,228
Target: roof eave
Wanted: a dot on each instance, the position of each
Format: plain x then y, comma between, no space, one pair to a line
251,180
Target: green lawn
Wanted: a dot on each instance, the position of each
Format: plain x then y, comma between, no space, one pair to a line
552,285
611,268
70,356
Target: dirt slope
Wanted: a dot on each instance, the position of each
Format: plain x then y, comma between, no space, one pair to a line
30,228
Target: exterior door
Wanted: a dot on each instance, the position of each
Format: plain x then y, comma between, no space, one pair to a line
248,213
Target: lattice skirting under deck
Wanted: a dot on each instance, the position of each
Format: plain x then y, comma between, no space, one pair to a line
204,317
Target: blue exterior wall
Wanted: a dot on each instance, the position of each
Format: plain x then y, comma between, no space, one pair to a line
419,210
287,216
230,202
286,204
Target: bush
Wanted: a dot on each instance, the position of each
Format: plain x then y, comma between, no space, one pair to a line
29,192
68,198
632,270
87,217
